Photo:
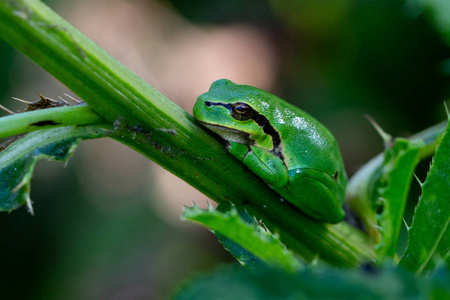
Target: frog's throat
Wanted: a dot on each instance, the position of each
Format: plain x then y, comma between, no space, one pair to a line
262,122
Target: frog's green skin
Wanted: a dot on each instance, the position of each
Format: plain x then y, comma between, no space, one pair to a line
287,148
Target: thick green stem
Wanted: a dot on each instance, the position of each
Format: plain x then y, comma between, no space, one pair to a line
148,122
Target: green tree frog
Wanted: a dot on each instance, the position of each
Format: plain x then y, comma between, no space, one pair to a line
283,145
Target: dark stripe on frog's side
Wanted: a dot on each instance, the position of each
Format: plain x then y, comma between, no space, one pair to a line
262,122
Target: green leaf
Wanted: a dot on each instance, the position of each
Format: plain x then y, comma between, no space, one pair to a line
256,239
393,187
429,233
240,283
245,257
365,186
383,191
18,160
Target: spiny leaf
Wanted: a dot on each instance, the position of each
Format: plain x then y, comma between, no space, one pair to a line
255,239
245,257
393,187
429,233
363,188
18,160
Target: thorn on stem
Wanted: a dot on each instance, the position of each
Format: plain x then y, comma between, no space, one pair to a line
21,100
387,138
406,225
73,99
29,205
446,109
418,180
64,100
7,110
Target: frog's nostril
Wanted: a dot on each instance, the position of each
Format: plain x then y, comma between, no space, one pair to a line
207,103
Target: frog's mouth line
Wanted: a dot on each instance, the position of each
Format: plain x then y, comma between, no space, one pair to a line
229,134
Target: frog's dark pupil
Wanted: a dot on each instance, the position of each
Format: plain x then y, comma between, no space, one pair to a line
242,111
207,103
241,108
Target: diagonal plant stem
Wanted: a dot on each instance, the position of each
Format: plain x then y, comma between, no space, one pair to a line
151,124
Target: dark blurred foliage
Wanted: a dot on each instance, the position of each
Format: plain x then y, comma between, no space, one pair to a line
6,53
339,60
226,11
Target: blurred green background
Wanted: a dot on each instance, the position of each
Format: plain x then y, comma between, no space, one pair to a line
106,225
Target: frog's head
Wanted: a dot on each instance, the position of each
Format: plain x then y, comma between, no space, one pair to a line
235,112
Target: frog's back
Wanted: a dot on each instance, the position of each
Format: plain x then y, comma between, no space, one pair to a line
311,143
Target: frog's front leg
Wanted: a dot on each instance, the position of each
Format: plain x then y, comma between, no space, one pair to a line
263,163
316,193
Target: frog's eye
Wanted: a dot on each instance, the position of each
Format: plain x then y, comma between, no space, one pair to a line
241,111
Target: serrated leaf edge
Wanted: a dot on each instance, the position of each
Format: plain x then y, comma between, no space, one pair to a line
258,231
